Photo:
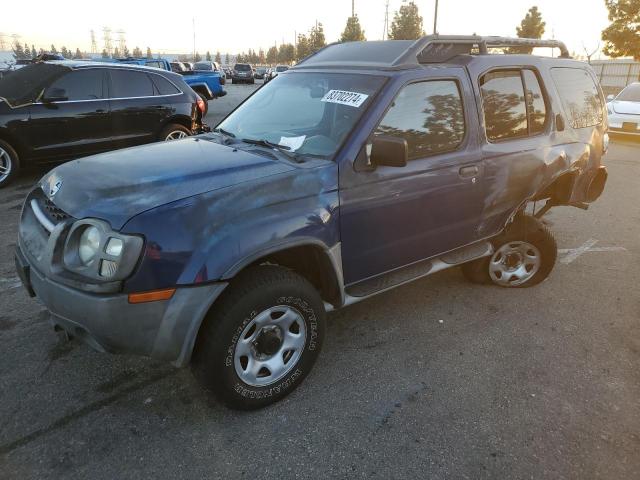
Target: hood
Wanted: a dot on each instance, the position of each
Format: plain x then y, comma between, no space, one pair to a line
627,108
118,185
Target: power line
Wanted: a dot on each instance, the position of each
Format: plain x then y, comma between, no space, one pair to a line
386,20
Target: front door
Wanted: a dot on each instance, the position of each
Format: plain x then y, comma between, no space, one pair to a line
394,216
76,120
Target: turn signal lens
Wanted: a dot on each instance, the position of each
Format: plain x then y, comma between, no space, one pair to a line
114,247
153,296
108,268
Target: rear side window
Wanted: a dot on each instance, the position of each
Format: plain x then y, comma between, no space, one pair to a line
428,115
513,103
127,84
164,86
579,95
78,85
156,65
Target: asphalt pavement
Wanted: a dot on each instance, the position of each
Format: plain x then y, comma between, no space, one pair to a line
437,379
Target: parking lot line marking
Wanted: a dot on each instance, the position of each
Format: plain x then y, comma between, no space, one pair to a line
572,254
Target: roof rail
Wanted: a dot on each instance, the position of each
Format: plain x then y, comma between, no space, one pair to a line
441,48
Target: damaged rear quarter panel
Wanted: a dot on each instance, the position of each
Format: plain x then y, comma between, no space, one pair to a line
198,239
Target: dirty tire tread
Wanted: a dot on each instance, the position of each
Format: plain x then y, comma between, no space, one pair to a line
524,227
213,340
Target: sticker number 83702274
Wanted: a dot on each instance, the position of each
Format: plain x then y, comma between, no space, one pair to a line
353,99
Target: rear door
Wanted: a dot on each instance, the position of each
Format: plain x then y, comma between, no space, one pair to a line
76,125
139,110
394,216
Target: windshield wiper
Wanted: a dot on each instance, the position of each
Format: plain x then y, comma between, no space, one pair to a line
224,132
284,149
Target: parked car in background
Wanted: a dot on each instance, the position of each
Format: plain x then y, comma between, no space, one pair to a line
160,63
369,165
624,111
260,73
208,84
228,73
273,73
56,111
242,73
207,66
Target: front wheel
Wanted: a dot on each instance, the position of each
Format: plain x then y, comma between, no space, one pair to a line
524,255
261,339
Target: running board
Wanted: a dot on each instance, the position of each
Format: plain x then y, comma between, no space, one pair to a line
395,278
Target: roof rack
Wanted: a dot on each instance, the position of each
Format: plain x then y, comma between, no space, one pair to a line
442,48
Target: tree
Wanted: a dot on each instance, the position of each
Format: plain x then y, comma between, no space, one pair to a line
197,57
218,57
65,53
316,38
353,32
116,53
207,56
125,52
621,37
286,53
137,52
149,54
27,51
18,51
226,59
531,26
407,23
34,54
105,54
272,55
78,54
261,57
303,49
53,49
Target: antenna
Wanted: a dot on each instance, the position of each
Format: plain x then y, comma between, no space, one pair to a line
106,35
94,44
193,24
386,20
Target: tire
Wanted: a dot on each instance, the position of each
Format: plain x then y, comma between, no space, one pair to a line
250,309
525,254
174,130
206,104
9,164
253,82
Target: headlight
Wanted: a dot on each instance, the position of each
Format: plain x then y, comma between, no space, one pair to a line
89,245
92,249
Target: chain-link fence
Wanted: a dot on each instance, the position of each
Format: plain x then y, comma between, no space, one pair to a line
614,75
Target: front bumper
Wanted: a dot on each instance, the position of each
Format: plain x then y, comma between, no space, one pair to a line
164,330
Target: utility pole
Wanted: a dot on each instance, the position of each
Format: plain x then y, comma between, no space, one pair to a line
94,44
193,24
353,8
386,20
435,20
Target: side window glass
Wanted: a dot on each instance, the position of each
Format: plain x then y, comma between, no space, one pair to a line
428,115
163,86
78,85
535,103
128,84
579,95
505,112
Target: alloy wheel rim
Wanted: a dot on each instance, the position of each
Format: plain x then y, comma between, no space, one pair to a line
5,165
270,346
514,263
175,135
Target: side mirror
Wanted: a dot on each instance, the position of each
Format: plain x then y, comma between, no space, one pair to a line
389,151
610,97
54,95
560,126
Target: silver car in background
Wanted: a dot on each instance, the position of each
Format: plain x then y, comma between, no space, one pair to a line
624,110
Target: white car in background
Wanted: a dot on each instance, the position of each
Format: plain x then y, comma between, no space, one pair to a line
624,110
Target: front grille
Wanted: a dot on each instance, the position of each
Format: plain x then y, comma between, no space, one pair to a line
55,214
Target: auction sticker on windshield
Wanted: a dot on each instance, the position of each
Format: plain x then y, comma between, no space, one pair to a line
353,99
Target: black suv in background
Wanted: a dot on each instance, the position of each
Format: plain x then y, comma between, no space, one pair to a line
243,72
56,111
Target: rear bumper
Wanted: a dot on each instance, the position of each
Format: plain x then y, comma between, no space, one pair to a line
164,330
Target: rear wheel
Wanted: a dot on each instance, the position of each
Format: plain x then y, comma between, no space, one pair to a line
261,339
9,164
524,255
174,131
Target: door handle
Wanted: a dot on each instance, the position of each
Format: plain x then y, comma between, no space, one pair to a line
469,171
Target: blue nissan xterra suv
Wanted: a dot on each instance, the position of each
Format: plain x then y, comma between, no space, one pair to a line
366,166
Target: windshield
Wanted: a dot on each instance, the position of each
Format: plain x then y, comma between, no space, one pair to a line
282,69
310,113
202,66
630,94
242,67
24,85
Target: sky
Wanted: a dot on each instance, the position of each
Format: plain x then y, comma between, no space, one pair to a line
235,26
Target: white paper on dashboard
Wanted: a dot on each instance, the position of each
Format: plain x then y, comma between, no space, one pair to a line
294,143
